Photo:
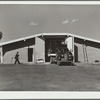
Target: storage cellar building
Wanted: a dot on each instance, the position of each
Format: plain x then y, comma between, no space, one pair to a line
36,48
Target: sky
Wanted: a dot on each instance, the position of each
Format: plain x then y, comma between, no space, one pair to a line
17,21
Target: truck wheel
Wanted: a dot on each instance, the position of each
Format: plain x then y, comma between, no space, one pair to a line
66,56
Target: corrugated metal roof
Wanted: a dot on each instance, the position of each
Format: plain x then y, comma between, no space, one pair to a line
50,34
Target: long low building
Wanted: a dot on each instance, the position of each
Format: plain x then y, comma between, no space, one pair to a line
36,47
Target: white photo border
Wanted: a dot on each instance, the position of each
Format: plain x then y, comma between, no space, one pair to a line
49,94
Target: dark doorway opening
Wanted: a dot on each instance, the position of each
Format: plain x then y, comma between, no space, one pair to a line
51,45
76,53
30,54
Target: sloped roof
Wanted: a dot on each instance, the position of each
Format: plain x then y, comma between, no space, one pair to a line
73,35
20,39
50,34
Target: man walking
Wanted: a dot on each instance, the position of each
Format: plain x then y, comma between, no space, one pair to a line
17,58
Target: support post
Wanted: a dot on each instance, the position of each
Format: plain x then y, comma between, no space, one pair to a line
1,54
73,49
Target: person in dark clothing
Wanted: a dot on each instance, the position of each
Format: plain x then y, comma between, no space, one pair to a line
17,58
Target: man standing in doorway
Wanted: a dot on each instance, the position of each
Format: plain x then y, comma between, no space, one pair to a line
17,58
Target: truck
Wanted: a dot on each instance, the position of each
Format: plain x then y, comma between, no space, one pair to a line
61,56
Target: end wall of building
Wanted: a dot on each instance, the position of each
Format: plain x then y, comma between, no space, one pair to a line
39,49
93,53
38,52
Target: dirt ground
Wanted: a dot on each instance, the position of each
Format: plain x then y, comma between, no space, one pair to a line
82,77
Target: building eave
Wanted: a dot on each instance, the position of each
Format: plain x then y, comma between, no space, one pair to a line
50,34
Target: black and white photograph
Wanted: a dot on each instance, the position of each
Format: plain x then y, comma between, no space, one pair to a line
49,47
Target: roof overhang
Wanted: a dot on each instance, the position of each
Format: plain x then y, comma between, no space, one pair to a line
20,39
77,37
70,35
